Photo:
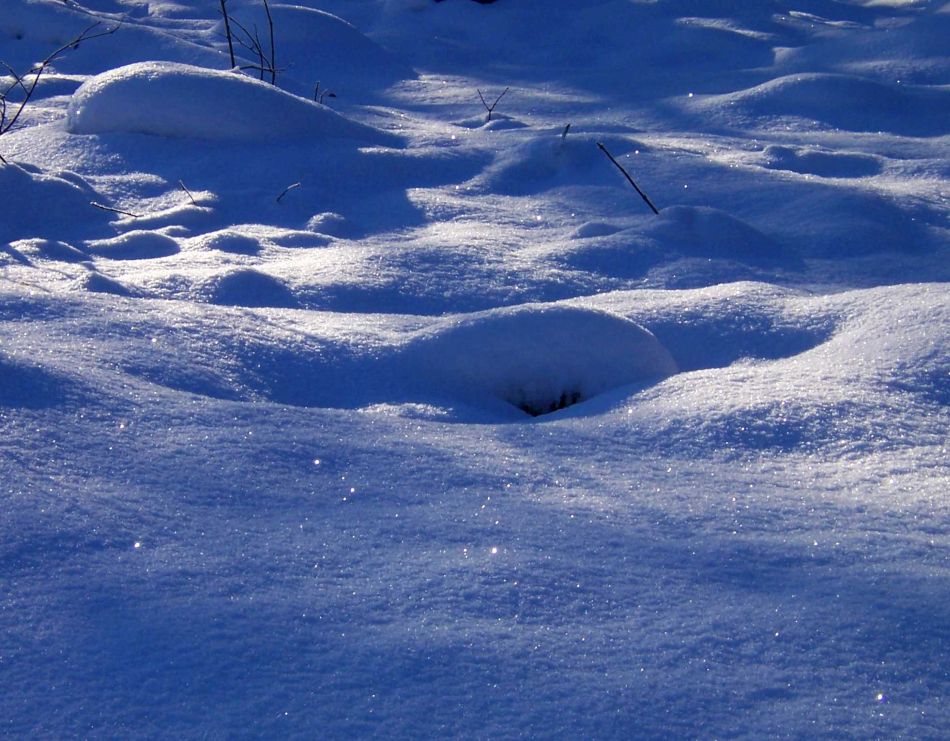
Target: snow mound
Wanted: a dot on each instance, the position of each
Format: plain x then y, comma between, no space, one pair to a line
595,229
624,255
248,287
537,358
319,47
227,240
98,283
50,249
545,162
182,216
844,101
708,232
46,205
179,100
332,224
140,244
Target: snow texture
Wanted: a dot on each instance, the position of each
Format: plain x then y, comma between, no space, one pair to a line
390,416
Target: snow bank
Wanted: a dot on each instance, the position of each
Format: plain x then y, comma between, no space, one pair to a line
179,100
537,358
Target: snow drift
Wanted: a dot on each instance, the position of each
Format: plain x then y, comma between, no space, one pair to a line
179,100
537,358
263,470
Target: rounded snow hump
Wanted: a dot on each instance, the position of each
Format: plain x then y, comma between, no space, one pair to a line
538,358
183,101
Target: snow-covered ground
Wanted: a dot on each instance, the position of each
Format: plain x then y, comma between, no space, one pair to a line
390,416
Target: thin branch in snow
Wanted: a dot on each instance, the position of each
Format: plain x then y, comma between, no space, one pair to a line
626,174
319,97
273,49
252,42
181,184
253,45
114,210
227,31
7,123
17,80
287,190
491,107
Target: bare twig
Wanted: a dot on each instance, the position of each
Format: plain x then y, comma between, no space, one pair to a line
563,141
319,97
253,45
273,49
267,62
17,80
626,174
227,31
287,190
114,210
7,123
181,185
491,107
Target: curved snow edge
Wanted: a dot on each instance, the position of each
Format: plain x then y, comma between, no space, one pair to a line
537,357
184,101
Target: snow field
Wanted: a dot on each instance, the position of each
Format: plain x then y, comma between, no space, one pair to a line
378,418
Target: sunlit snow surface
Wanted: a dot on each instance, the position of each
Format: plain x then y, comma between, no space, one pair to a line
376,417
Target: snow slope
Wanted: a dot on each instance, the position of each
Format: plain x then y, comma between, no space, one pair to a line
390,416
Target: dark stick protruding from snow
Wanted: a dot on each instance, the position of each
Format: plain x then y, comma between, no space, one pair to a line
267,60
626,174
273,50
287,190
319,97
114,210
227,32
7,122
491,107
181,184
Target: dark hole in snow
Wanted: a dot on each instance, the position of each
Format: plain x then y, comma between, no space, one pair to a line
536,407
